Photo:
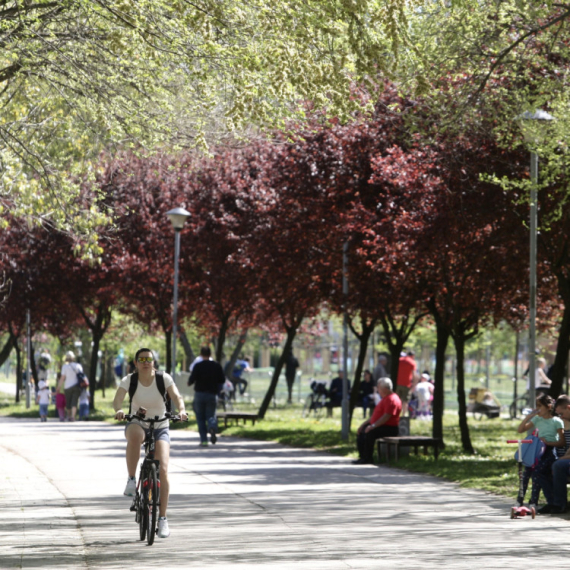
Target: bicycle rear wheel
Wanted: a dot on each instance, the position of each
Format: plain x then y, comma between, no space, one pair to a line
516,408
151,494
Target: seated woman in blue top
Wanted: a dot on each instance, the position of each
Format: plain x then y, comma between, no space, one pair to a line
551,432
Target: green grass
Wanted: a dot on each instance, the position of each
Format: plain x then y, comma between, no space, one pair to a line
491,469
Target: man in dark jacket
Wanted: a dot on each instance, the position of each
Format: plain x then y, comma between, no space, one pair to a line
291,365
208,378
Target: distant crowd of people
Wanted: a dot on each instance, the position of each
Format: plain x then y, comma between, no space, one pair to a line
414,390
69,393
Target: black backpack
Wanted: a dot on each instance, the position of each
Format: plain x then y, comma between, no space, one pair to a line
159,376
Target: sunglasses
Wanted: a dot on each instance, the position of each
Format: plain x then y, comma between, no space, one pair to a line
145,359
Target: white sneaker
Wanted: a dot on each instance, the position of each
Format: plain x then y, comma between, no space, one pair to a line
163,530
131,487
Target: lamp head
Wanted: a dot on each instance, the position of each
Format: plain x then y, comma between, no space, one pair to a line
535,125
177,217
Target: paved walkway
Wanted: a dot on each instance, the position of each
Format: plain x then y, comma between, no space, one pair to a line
247,504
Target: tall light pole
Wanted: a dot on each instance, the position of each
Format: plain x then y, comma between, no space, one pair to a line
534,127
177,217
28,358
345,401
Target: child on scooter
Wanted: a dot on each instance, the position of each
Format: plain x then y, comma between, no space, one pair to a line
551,432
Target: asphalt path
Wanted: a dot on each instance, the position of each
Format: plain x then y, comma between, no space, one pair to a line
247,504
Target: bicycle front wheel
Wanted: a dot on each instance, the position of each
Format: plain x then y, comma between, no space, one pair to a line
151,493
142,511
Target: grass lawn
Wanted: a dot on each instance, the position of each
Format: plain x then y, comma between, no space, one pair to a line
492,468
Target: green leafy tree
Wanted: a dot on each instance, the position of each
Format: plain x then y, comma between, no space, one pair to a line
77,76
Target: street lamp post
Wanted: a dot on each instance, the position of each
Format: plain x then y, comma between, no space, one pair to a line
177,217
533,127
345,401
28,359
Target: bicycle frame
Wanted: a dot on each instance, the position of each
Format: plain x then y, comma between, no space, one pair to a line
146,511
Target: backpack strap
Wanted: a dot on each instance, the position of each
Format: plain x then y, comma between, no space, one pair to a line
159,377
133,388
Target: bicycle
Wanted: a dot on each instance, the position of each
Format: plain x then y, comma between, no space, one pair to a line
146,501
517,407
316,400
225,397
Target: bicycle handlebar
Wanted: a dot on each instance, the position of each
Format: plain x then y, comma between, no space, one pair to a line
156,419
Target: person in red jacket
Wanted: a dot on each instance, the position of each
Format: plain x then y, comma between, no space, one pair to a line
406,370
383,423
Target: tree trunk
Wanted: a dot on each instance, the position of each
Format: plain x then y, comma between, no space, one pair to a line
6,350
221,339
396,336
395,351
33,368
190,355
97,327
18,368
561,358
364,337
459,342
97,336
228,368
439,378
291,332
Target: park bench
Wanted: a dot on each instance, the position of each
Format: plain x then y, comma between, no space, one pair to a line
237,416
408,441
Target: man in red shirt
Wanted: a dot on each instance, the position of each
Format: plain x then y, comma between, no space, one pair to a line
383,423
406,370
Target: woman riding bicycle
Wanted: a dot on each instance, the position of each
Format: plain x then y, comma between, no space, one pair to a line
147,395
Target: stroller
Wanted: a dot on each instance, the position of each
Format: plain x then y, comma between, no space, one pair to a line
225,397
316,400
483,403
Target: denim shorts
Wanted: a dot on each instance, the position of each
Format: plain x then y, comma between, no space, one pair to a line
43,409
160,434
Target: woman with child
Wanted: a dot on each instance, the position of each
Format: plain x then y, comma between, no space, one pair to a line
551,432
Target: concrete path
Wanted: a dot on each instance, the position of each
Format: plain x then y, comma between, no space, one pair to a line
244,504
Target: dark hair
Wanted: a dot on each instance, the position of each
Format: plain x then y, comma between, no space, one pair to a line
142,350
205,352
367,372
562,400
545,400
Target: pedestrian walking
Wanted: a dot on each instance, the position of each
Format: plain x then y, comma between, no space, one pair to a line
208,379
70,383
291,365
43,399
84,403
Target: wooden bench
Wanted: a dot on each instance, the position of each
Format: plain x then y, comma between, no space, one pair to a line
237,416
408,441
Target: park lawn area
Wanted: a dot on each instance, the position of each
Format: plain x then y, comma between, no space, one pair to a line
492,468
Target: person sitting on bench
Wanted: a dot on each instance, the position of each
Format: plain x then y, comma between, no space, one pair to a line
383,423
335,393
